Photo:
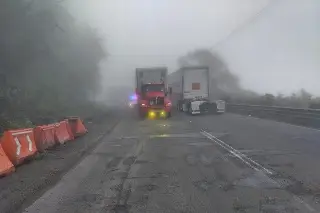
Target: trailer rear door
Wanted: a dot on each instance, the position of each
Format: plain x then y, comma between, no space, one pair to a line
195,83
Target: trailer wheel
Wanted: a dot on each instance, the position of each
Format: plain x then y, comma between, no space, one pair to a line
189,109
180,106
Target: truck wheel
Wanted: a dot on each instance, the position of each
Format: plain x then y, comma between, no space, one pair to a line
169,115
190,110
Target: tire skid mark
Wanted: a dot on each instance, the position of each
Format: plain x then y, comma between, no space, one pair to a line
120,188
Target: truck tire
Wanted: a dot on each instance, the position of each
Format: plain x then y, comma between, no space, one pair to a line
179,106
169,115
189,109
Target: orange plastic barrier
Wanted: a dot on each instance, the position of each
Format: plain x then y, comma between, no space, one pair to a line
6,167
69,130
44,136
63,132
19,145
77,126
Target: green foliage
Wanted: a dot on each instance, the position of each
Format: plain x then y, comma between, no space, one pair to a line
48,63
268,99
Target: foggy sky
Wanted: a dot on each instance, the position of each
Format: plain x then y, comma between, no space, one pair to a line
278,52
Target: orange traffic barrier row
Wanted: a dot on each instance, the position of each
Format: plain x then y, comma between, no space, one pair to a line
19,145
44,136
77,127
63,132
6,167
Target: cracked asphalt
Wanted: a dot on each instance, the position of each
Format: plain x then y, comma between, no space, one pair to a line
164,166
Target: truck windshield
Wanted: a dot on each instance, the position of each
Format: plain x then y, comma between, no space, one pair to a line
153,88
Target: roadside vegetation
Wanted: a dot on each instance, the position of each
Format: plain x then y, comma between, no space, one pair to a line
48,64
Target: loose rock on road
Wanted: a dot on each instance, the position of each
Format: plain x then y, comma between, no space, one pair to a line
225,163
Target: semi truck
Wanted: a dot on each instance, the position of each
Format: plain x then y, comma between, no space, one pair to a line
189,91
151,91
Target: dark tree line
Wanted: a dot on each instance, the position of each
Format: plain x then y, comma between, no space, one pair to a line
48,62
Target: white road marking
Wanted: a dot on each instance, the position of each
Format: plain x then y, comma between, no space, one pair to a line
245,159
48,128
18,145
21,133
30,143
252,164
298,199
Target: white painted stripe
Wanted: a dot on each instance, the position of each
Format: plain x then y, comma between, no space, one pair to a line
298,199
21,133
47,128
245,159
18,145
30,143
252,164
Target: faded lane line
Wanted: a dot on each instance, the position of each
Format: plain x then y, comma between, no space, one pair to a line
254,165
245,159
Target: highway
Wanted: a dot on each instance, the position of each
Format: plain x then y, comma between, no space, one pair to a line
193,164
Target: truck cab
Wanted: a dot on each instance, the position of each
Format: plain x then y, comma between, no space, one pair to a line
151,89
153,101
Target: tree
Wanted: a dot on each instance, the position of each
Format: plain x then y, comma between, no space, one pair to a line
49,63
269,99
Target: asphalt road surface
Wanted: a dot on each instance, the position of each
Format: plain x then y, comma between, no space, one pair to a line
214,164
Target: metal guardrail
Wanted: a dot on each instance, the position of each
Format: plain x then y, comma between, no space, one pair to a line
298,116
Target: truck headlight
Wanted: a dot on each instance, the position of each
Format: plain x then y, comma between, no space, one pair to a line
163,114
151,114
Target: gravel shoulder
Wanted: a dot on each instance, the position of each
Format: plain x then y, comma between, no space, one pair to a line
32,179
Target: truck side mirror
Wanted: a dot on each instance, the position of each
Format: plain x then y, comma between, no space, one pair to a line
170,90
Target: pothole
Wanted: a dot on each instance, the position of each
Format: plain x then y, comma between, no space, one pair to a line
203,185
129,161
149,187
89,198
142,162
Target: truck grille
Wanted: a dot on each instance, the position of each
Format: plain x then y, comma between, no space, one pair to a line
157,101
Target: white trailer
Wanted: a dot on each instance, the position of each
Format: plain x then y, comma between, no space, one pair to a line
152,75
189,90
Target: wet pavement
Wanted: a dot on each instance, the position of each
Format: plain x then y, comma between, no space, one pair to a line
214,164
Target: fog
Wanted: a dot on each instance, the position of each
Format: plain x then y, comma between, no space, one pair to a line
57,58
276,50
48,64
